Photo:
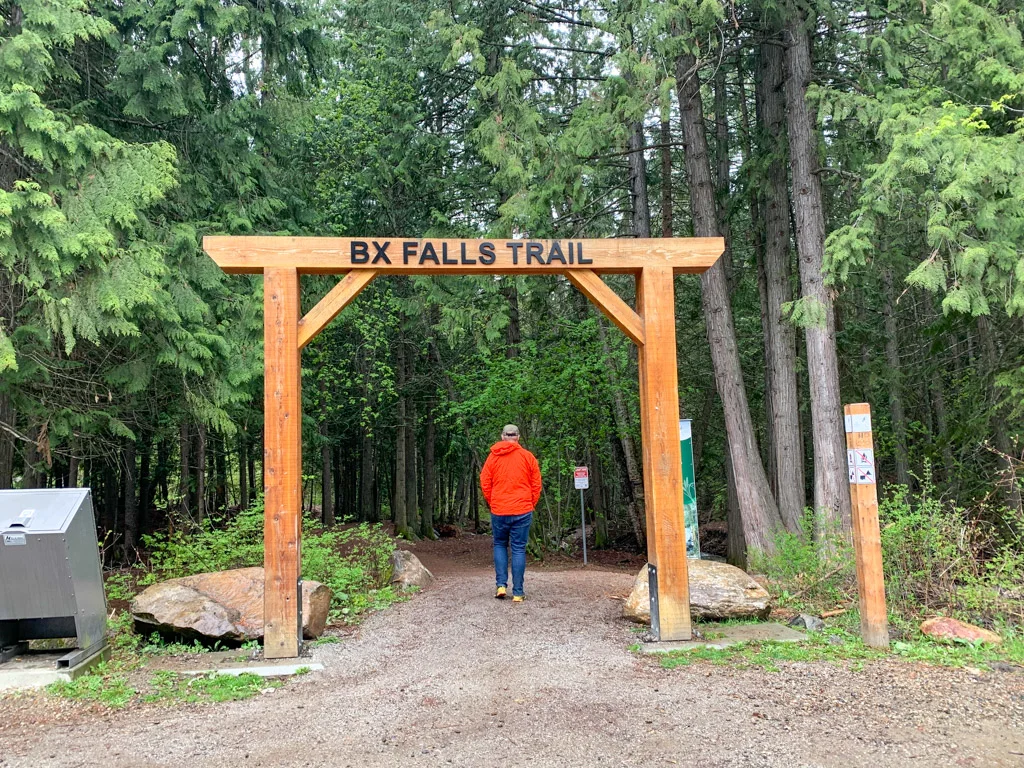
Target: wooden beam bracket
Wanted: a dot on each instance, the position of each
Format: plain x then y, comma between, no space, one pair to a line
330,306
619,312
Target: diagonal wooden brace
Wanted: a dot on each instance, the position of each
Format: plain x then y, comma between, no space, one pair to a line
619,312
328,308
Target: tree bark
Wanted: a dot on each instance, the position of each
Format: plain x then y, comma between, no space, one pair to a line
243,470
513,336
666,179
326,480
399,510
757,505
367,504
634,474
641,208
185,472
938,398
411,448
892,359
1006,452
131,501
831,483
220,458
780,335
145,482
200,473
735,544
163,468
634,509
597,502
109,497
6,442
429,473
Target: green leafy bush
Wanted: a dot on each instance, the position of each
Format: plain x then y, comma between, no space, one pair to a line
806,570
355,562
938,556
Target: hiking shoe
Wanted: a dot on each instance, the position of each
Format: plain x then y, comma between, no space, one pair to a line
518,598
500,593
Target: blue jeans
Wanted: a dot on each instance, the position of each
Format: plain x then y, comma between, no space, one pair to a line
510,532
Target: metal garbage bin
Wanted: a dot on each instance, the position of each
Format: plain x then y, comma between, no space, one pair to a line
51,581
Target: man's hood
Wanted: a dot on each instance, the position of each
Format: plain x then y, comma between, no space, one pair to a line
505,447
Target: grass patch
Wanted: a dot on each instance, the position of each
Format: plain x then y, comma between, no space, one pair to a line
325,640
103,686
839,645
175,687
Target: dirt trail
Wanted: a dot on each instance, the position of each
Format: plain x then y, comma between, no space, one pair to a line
454,677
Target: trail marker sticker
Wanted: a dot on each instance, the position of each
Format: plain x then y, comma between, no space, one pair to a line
858,422
581,478
863,465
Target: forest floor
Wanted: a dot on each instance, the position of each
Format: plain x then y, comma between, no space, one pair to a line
454,677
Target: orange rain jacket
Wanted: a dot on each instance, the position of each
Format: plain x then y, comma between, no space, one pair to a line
510,479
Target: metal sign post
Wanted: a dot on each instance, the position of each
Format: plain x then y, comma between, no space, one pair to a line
581,478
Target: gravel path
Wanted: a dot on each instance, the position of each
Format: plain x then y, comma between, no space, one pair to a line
454,677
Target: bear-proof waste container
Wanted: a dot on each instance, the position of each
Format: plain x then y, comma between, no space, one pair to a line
51,581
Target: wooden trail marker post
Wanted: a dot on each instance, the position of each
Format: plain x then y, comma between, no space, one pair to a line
867,540
651,326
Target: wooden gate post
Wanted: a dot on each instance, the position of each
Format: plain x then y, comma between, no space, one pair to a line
867,540
663,474
282,461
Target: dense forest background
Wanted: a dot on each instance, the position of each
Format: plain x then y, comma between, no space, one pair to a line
864,161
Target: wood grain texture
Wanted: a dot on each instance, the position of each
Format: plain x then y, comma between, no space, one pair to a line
619,312
663,473
867,541
328,308
327,255
282,464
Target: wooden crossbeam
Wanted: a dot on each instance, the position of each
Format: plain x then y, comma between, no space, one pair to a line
328,308
619,312
394,255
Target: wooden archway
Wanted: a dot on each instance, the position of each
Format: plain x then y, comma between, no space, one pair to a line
651,326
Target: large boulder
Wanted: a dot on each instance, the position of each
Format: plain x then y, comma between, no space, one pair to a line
944,628
717,591
226,606
408,571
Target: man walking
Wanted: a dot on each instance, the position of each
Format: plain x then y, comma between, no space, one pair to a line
510,480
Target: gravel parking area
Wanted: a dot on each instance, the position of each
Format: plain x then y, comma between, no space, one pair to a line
454,677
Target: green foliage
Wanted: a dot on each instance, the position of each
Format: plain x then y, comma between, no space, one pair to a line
173,687
118,586
806,570
355,562
157,645
843,646
101,686
936,557
939,556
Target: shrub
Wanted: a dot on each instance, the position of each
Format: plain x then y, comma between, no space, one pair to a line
355,562
938,556
806,570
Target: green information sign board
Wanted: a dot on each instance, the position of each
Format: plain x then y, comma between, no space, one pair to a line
689,489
